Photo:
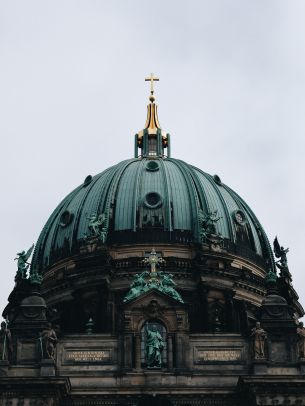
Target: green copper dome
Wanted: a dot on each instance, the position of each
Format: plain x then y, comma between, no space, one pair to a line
151,200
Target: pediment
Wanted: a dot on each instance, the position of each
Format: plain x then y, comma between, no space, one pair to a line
145,299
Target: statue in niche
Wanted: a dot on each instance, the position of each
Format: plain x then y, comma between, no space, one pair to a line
282,263
6,345
301,340
48,341
97,226
22,263
154,347
207,228
259,338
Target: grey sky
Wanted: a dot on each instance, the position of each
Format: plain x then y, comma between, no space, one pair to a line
72,95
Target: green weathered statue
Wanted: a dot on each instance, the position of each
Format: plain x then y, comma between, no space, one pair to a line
168,286
97,226
22,263
154,279
154,347
207,225
138,286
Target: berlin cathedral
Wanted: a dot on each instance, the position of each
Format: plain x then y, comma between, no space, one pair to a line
152,283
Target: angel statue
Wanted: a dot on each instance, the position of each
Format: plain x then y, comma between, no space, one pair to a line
97,226
282,263
22,263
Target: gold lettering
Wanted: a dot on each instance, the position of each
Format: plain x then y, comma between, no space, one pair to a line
218,355
88,356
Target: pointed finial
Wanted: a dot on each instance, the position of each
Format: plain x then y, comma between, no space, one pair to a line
152,79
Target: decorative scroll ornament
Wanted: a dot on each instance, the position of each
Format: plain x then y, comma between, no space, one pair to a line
282,263
22,263
153,279
207,228
98,227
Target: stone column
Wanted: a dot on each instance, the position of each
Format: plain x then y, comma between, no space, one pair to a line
170,352
138,351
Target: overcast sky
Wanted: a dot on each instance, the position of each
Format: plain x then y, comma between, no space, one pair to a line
72,96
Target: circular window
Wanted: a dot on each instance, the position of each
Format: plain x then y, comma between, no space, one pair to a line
66,218
217,180
152,166
239,217
87,180
153,200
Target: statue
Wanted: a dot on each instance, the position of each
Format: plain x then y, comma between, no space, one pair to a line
97,226
48,341
168,286
137,287
6,345
301,340
207,225
260,336
154,347
282,263
22,263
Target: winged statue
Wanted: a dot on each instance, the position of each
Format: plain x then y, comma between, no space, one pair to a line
282,263
22,263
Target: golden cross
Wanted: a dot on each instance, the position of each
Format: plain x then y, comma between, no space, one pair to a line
152,79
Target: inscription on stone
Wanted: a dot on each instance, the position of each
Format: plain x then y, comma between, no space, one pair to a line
218,355
88,356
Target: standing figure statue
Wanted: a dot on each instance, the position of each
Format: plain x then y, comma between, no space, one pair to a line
301,340
6,345
260,336
22,263
154,347
282,263
48,341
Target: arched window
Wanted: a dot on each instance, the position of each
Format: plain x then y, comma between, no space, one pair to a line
153,345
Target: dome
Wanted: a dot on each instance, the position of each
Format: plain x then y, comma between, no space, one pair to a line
152,200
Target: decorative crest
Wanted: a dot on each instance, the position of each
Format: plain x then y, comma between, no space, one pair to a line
153,260
153,279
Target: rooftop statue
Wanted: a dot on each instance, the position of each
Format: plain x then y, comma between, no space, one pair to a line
282,263
22,263
137,287
97,226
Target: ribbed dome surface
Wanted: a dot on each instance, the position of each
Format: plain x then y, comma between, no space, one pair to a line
151,201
